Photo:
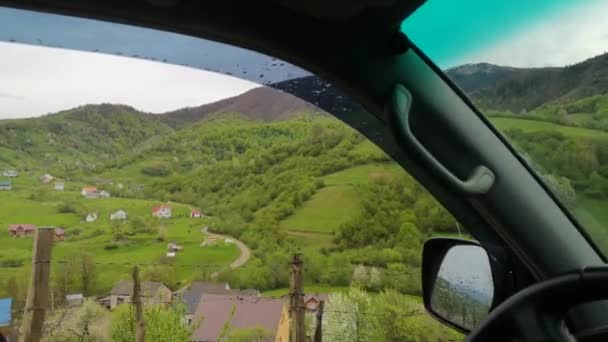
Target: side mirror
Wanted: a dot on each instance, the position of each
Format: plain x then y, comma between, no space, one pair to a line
457,282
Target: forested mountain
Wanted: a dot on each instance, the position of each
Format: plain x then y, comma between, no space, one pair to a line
250,175
494,87
261,103
76,137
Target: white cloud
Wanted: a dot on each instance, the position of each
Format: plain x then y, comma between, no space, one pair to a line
566,38
40,80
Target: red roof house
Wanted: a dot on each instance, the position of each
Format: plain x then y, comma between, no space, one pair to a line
162,211
20,230
89,191
196,213
59,234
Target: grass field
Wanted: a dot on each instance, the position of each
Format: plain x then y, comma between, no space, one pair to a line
362,174
143,247
593,216
315,221
535,126
308,289
325,211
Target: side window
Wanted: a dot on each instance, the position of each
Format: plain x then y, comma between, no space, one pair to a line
550,103
209,183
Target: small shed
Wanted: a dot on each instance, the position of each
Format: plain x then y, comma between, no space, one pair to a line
59,186
59,234
173,247
46,178
6,185
196,214
74,299
92,217
10,173
119,215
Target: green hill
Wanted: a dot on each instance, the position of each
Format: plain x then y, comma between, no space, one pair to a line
79,138
515,89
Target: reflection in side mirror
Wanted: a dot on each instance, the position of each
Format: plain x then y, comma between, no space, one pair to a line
463,290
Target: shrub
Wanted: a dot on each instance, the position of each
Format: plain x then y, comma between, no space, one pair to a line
110,246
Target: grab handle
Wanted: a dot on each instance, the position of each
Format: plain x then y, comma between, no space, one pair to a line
481,178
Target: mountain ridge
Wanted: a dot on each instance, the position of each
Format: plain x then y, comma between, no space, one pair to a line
494,87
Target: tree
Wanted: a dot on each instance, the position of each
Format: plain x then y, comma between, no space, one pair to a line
87,323
88,274
387,316
163,323
78,273
345,317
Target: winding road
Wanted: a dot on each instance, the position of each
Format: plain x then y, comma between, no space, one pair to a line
245,251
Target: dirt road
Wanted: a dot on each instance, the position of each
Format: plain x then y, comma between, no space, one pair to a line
245,251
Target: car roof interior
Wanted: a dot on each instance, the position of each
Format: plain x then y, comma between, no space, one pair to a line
317,35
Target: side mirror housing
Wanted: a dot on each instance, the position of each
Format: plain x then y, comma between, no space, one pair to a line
458,285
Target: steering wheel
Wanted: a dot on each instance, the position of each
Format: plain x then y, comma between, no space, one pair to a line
538,312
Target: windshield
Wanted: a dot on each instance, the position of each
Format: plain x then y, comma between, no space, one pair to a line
548,97
216,177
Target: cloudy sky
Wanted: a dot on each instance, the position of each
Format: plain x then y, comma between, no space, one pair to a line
38,80
50,63
38,77
534,33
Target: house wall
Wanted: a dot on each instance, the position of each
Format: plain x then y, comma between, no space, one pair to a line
163,296
114,300
282,334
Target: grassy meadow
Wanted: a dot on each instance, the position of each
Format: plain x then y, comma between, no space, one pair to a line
320,217
33,202
526,125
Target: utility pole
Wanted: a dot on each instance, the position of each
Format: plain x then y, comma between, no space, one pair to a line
140,333
319,327
37,301
297,298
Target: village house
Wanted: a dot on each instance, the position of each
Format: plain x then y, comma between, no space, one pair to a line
173,247
311,302
196,214
21,230
162,211
5,185
214,311
119,215
46,178
59,234
59,186
10,173
6,319
75,299
192,294
152,292
89,192
91,217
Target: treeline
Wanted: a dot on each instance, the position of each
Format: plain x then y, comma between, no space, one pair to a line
569,164
589,112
